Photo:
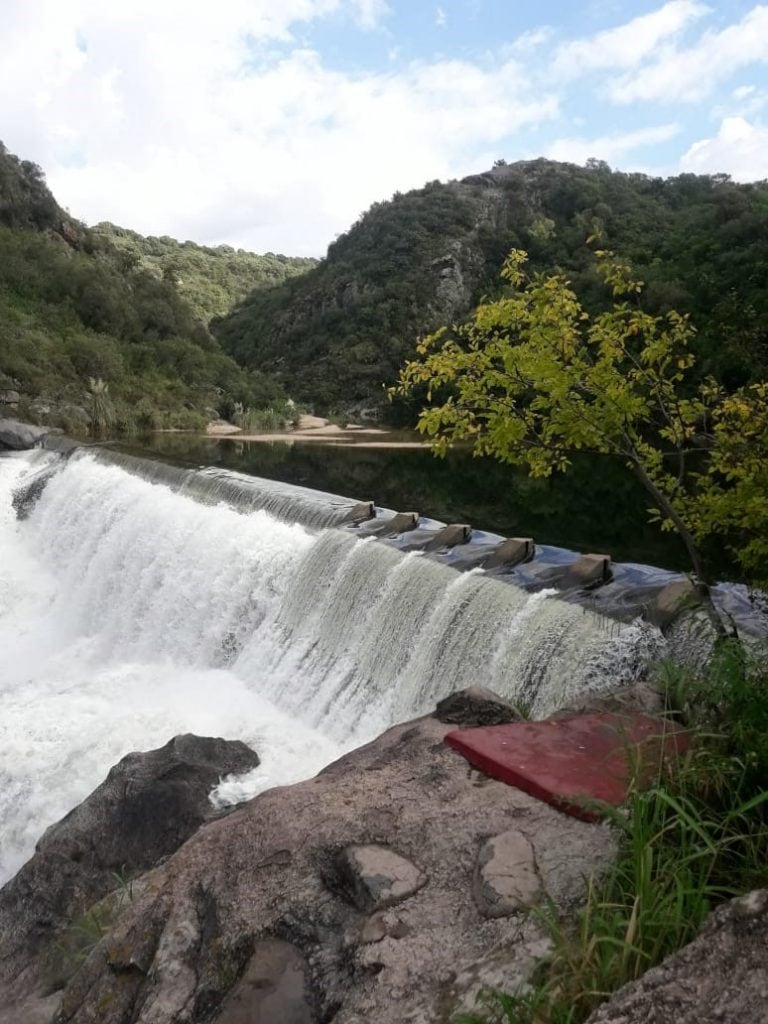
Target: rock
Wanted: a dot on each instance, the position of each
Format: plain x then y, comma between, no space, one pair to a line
307,422
719,978
625,700
19,436
194,942
378,877
220,428
27,494
506,879
148,805
475,706
382,924
9,397
272,989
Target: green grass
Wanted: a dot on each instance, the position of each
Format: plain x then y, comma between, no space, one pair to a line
698,836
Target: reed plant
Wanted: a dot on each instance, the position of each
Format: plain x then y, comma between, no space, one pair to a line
697,836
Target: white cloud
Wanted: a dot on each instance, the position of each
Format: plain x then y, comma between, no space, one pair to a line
440,17
192,126
531,40
628,45
689,74
368,13
610,147
739,149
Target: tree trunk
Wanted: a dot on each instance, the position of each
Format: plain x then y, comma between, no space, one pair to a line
686,537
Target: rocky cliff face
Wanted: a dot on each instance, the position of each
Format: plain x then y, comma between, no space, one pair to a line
425,258
389,888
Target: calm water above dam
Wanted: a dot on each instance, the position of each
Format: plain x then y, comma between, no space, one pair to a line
598,506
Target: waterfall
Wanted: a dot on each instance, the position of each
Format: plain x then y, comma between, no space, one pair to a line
212,485
130,612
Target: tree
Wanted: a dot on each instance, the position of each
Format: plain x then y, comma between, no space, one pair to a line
532,379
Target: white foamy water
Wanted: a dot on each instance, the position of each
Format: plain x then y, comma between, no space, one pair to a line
129,612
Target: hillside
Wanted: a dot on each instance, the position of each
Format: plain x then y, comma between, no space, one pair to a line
211,279
337,333
94,334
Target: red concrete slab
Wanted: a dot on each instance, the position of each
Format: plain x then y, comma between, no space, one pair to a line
575,762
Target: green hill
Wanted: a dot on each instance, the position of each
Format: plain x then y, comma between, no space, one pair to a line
211,279
334,335
80,306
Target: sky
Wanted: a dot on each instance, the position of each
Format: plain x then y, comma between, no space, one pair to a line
271,125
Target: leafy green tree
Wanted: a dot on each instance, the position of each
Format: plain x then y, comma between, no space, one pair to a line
533,378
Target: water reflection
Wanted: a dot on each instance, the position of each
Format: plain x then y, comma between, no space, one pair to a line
598,506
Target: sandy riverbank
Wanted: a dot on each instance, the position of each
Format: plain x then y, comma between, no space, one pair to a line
315,430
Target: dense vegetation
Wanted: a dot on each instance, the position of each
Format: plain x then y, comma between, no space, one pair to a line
339,332
532,379
93,338
211,279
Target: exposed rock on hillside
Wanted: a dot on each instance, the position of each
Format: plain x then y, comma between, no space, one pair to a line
375,891
423,259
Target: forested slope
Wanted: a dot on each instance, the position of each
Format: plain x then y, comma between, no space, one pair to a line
89,331
337,333
211,278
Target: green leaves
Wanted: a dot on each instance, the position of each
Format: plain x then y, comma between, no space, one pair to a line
532,378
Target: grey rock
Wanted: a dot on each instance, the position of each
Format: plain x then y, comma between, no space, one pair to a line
148,805
382,924
719,978
27,494
475,706
506,879
18,436
377,877
270,871
272,989
9,397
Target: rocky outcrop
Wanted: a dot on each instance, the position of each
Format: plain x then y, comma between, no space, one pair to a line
475,706
361,894
720,978
18,436
148,805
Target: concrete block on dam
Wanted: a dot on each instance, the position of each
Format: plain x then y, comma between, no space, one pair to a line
360,513
514,551
450,536
400,522
589,570
673,599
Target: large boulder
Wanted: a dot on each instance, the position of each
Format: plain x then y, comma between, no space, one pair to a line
149,804
719,978
352,896
17,435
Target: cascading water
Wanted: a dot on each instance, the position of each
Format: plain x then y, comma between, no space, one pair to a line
130,612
